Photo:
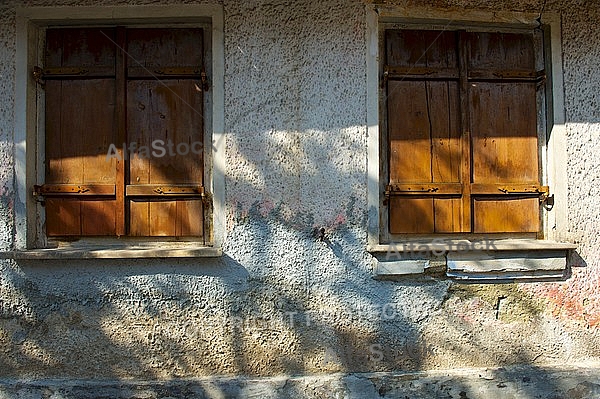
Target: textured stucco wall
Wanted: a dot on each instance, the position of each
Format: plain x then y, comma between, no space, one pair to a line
279,301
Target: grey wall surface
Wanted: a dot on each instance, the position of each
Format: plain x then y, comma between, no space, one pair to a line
279,301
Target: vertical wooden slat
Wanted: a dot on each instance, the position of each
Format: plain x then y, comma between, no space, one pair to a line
446,151
139,218
465,169
122,164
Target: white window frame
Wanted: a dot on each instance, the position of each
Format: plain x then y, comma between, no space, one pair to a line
554,151
29,132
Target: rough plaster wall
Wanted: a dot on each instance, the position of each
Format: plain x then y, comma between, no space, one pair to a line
281,301
7,52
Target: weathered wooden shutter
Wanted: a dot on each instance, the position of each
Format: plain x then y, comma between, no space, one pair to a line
424,132
80,125
503,124
462,132
164,105
138,88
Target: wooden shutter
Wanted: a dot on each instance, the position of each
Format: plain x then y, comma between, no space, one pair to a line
117,87
164,102
424,132
503,125
462,132
80,125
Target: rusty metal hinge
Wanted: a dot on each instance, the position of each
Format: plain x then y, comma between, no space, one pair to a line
38,76
204,80
386,74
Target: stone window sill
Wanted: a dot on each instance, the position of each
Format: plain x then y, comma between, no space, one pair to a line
504,259
123,251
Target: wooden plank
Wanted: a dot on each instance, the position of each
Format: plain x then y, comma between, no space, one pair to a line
448,212
409,132
505,143
139,217
157,48
420,48
63,217
411,215
167,115
189,219
503,51
509,214
167,218
162,218
55,171
444,109
80,48
98,218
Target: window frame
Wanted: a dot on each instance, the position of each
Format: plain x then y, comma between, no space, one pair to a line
32,23
553,148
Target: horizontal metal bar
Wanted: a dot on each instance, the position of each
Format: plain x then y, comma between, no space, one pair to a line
78,72
424,189
422,73
157,190
168,72
505,74
75,189
503,189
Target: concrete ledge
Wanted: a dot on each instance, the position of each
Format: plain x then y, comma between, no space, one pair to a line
507,264
440,246
132,252
515,382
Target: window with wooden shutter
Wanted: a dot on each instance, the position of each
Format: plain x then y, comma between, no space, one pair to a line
462,132
124,132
